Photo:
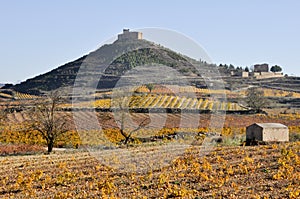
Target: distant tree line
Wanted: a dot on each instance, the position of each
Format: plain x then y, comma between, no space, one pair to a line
227,69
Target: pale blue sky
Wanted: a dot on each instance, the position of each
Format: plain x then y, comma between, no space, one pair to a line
37,36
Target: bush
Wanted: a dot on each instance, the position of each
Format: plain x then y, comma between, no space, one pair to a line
294,137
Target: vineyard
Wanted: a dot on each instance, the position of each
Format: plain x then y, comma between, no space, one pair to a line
133,119
169,101
230,170
227,172
23,96
16,95
171,89
5,95
18,131
21,134
275,93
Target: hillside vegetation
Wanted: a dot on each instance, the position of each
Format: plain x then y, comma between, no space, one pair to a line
143,52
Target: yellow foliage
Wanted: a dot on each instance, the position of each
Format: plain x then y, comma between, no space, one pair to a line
165,101
102,103
21,134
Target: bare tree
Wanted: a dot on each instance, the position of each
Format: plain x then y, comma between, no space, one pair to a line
48,122
255,99
122,118
127,134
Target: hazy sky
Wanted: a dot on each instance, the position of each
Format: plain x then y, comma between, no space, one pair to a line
37,36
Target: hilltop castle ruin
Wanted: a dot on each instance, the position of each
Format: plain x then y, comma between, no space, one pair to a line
127,35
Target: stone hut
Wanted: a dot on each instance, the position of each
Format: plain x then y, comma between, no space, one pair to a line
240,74
268,132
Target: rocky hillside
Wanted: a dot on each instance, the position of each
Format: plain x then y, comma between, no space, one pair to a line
286,83
280,83
120,56
104,67
59,77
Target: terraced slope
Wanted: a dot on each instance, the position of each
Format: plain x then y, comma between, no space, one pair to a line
138,52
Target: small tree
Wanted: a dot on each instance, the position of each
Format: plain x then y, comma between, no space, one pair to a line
255,99
150,86
276,68
127,134
48,122
122,118
246,69
231,67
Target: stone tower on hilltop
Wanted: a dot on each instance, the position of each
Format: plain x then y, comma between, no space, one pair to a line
127,35
261,68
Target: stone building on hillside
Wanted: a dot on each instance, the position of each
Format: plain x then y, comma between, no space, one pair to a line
265,75
260,71
268,132
127,35
242,74
260,68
